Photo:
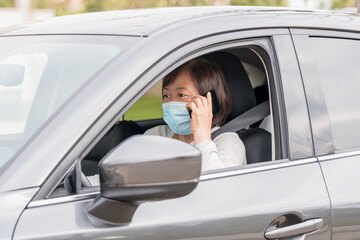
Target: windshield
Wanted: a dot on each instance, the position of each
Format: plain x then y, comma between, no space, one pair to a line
38,74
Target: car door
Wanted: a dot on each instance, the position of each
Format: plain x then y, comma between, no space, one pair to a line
329,65
285,198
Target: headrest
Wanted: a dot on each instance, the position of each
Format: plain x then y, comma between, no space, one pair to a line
242,93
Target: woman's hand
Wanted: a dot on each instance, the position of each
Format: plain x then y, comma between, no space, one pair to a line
201,117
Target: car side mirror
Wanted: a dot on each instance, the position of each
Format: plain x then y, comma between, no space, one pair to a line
11,75
144,168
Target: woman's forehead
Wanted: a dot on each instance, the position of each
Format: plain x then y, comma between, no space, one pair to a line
183,81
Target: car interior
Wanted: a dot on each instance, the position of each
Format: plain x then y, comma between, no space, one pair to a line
246,77
244,96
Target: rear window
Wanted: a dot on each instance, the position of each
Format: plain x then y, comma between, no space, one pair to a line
338,64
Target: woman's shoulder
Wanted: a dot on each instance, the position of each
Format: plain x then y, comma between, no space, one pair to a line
232,144
228,137
161,130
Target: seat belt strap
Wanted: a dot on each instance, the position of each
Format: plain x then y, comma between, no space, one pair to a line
249,117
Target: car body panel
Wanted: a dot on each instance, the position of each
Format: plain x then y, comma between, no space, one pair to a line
300,139
12,204
145,22
320,121
239,212
339,167
342,179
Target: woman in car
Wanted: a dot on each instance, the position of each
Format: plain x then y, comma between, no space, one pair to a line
186,91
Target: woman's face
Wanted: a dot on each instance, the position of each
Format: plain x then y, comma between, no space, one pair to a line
181,90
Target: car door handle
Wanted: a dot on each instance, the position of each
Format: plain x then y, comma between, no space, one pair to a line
307,226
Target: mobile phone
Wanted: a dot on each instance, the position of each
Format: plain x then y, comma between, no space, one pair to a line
215,103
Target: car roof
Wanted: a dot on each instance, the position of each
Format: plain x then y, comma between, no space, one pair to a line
143,22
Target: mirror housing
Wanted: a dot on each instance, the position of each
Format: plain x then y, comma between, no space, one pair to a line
11,75
144,168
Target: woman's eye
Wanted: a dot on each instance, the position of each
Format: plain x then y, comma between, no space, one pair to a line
165,96
182,95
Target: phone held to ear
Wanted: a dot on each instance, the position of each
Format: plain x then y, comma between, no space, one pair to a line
215,103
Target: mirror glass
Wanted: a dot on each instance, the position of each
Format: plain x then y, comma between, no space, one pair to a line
11,75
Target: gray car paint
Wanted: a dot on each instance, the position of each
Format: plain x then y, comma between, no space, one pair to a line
340,169
149,22
300,139
12,205
303,191
342,178
241,212
320,121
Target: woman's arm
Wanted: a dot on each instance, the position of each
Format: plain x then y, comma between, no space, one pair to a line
227,150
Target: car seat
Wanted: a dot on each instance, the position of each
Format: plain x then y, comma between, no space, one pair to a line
116,134
262,95
257,141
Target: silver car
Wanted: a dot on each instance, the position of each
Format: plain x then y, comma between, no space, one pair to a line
68,85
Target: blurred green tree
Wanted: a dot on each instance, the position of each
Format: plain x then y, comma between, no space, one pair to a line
94,6
101,5
7,3
338,4
280,3
61,6
41,4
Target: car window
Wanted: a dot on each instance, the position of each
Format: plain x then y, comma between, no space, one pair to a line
147,107
147,113
337,61
137,119
37,75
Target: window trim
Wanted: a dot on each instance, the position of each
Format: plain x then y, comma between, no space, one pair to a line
253,168
298,123
346,153
210,175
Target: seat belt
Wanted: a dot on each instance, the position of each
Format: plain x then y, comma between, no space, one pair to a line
249,117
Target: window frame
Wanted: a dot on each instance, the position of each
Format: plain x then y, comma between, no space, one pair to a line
174,59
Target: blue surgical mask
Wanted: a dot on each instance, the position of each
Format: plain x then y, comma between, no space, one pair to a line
177,117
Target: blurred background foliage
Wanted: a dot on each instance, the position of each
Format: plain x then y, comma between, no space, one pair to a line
100,5
63,7
7,3
280,3
105,5
339,4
